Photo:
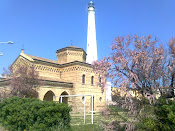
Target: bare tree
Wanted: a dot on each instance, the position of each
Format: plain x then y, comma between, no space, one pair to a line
22,80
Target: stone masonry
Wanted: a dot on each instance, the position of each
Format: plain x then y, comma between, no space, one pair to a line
65,77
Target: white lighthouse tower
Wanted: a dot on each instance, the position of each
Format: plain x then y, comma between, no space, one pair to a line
91,49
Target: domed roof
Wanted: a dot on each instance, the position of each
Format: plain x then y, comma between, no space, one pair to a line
91,4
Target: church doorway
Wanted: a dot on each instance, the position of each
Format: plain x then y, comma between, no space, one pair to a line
49,96
64,99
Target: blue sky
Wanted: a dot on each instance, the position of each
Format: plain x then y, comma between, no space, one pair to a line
43,26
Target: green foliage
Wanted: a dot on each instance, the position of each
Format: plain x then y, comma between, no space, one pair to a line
144,101
117,109
158,117
147,124
165,112
32,114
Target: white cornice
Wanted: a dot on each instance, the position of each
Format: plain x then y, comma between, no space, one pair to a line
26,56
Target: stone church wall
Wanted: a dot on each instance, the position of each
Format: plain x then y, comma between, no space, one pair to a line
74,74
66,74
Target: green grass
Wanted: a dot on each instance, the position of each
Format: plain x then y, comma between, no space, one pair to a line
77,122
78,118
87,127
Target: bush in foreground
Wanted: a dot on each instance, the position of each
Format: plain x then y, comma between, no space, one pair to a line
32,114
165,112
162,118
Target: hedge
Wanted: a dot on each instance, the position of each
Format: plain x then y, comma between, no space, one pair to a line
33,114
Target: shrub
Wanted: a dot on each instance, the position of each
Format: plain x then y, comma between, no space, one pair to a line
165,112
32,114
159,117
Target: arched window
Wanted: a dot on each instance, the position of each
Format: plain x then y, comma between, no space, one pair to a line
100,80
83,98
64,99
100,98
100,84
49,96
60,74
92,80
83,79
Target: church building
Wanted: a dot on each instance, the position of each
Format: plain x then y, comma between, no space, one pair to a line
71,73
